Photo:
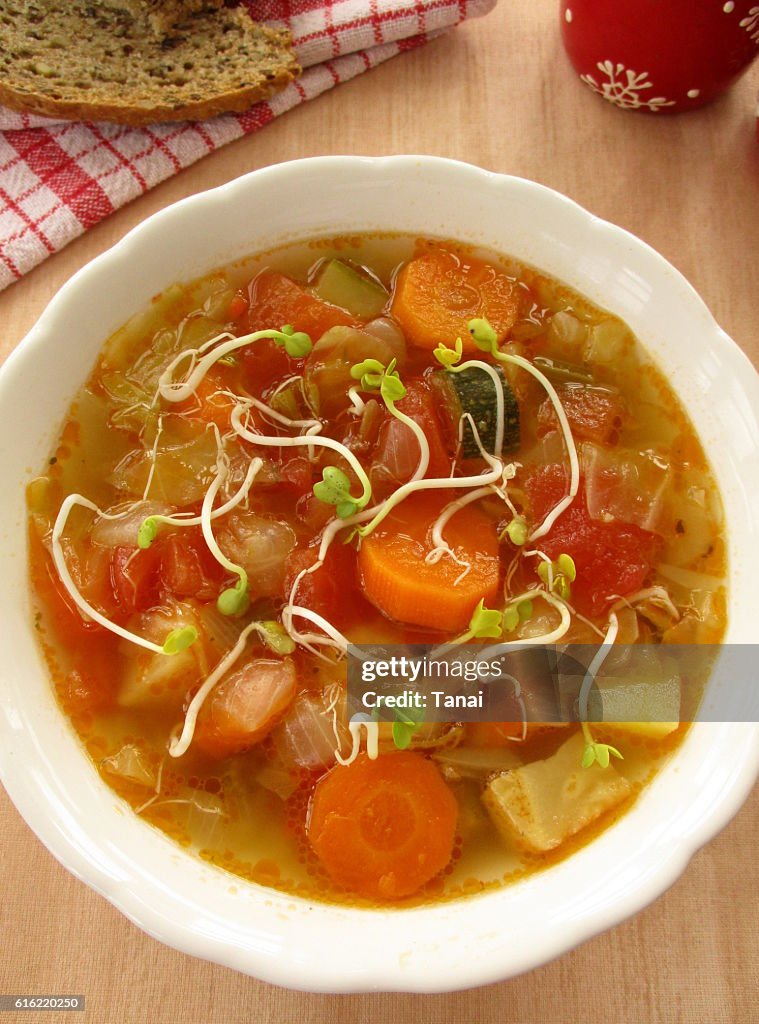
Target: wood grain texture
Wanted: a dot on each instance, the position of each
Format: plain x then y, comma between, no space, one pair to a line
499,93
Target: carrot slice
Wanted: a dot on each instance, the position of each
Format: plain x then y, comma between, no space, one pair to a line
275,300
383,828
438,293
397,579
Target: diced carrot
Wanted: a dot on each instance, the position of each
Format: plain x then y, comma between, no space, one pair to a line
397,579
594,414
438,293
275,300
383,828
246,706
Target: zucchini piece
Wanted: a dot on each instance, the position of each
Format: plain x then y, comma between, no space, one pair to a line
341,285
473,391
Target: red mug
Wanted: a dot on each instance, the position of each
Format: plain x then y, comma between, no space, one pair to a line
660,56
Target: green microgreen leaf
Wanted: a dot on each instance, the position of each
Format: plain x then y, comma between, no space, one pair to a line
485,622
448,357
374,376
599,753
276,639
566,566
335,489
558,575
516,531
513,614
147,532
296,343
180,639
227,360
392,388
510,619
234,601
405,725
402,733
483,334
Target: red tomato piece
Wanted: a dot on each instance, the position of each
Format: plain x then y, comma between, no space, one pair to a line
594,414
612,559
297,474
275,300
331,590
207,404
419,404
238,307
265,363
245,706
188,569
134,575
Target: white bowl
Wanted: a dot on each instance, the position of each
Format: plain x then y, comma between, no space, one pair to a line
290,941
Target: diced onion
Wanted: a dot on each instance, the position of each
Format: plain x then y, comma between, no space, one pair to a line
123,531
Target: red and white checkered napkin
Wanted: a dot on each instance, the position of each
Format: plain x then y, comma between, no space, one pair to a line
58,178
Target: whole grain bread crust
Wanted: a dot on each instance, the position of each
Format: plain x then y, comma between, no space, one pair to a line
117,105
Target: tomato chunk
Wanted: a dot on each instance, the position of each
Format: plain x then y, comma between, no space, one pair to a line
594,414
245,706
187,567
612,558
275,300
134,575
331,590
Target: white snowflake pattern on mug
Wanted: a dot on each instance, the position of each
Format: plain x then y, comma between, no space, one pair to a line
751,23
624,92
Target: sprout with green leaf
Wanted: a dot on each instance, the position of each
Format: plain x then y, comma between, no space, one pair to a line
485,622
180,639
407,722
335,489
558,575
597,753
516,613
485,338
448,357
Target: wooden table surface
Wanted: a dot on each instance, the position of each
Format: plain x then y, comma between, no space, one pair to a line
500,93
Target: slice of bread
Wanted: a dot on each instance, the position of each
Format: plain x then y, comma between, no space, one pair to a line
166,17
136,62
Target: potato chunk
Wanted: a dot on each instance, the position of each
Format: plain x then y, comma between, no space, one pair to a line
539,805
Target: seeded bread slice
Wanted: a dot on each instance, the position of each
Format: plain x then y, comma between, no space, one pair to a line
165,17
88,61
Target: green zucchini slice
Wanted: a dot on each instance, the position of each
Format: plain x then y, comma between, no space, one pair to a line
472,391
341,285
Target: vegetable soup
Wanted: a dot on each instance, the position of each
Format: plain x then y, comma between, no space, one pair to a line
364,440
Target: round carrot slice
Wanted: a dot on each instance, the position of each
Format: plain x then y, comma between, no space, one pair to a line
438,293
398,580
384,827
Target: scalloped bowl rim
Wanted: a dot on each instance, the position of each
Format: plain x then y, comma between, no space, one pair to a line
287,940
